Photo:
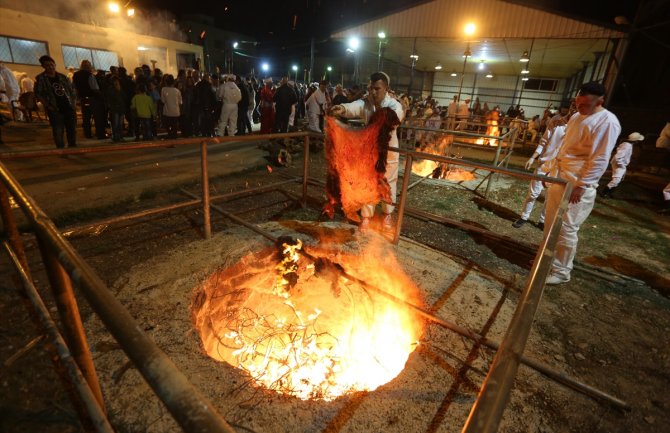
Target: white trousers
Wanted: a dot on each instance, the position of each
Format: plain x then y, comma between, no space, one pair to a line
573,217
291,117
534,190
228,118
666,192
313,122
391,175
617,175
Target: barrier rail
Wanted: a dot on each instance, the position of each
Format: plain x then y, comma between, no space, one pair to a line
191,410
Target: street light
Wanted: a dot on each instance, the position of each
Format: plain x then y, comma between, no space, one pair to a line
265,67
113,7
295,71
382,41
235,44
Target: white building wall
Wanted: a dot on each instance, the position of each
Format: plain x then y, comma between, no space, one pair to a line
58,32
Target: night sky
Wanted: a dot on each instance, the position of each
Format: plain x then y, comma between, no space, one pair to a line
291,20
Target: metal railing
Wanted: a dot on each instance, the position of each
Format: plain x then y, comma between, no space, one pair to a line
191,410
502,151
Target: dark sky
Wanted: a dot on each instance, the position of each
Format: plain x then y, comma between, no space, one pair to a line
290,20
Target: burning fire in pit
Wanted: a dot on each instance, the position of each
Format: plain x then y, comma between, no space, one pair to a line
439,170
304,324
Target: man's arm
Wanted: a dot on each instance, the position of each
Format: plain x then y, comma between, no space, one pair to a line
604,139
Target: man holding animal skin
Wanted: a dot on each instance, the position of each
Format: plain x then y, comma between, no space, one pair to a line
378,97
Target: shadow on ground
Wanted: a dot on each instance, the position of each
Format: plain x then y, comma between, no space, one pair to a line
632,269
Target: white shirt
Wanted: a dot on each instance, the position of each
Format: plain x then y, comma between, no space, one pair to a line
464,110
587,146
171,97
451,109
550,143
623,154
362,109
315,101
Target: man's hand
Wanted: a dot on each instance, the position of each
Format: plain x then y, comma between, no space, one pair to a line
576,195
529,163
337,110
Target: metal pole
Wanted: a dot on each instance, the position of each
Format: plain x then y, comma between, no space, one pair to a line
192,411
490,404
495,164
89,399
71,319
207,224
403,198
10,228
465,61
305,171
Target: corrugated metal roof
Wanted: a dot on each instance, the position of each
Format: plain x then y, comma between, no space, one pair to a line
493,18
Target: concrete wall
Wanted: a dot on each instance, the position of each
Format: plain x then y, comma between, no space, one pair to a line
56,32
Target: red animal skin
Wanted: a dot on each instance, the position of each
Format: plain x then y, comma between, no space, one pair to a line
357,163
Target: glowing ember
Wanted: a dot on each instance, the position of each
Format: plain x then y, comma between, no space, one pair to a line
303,328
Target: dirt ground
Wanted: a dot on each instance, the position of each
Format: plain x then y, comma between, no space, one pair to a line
608,327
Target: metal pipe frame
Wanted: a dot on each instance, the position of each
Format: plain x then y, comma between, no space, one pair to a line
194,413
88,396
544,369
71,319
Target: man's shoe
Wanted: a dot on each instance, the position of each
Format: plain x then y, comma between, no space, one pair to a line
606,192
518,223
388,222
540,225
554,279
364,224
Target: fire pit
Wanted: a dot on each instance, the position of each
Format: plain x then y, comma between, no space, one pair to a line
166,293
298,325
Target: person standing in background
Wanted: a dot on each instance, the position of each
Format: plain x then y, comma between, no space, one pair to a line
58,98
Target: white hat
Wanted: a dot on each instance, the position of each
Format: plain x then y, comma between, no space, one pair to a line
636,136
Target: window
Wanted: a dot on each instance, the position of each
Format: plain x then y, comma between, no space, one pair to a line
25,51
100,59
544,85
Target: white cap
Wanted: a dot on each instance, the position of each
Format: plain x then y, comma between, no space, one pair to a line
636,136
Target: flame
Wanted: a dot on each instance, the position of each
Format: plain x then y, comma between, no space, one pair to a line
326,337
439,170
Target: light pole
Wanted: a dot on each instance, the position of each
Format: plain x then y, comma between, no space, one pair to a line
380,58
326,75
354,44
295,71
469,30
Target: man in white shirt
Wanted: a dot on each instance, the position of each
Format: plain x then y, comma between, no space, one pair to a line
463,114
619,162
587,146
451,114
550,143
377,98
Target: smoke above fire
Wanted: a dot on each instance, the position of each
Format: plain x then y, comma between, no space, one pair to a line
156,23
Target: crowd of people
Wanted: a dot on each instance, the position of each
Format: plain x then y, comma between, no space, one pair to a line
121,105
